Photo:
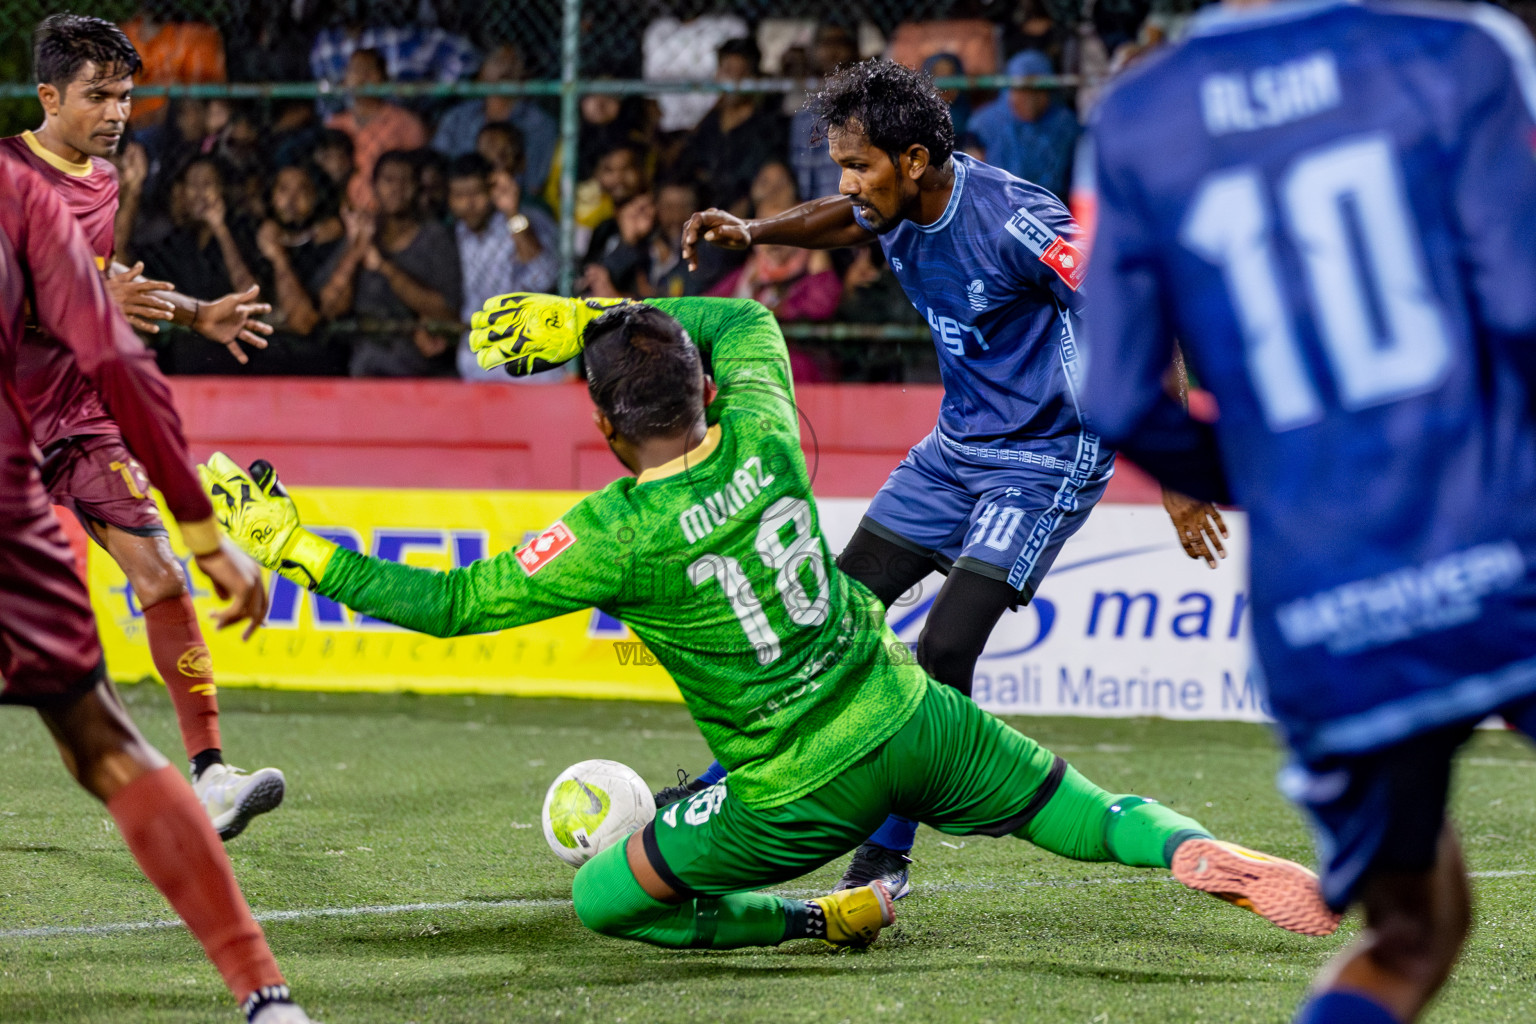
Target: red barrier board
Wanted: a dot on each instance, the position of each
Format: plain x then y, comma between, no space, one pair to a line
449,434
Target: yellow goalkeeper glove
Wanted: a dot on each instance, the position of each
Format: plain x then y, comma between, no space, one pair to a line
256,512
527,332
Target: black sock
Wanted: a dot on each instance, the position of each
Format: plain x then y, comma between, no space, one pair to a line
806,920
959,623
203,758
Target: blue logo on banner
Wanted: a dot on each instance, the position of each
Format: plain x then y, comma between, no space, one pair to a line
909,623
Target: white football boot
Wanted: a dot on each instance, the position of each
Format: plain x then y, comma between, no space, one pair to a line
232,797
271,1004
281,1013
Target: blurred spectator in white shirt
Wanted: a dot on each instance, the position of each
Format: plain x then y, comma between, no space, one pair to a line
682,47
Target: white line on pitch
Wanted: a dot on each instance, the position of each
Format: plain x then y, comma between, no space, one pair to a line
282,915
526,904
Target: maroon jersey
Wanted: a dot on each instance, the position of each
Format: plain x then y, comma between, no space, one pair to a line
58,398
45,261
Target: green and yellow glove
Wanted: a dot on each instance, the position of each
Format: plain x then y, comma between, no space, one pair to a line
527,332
258,515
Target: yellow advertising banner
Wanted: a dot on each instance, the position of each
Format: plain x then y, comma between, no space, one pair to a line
311,643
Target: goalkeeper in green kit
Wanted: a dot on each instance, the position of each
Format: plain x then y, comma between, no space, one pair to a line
713,554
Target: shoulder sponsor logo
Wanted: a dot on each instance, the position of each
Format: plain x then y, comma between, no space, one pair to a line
1406,602
1067,261
1055,252
1030,230
896,263
545,548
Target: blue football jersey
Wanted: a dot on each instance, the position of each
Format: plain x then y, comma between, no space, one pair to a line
996,278
1332,207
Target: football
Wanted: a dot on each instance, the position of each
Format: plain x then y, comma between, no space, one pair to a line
593,805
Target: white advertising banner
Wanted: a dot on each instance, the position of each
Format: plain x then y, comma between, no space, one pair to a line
1125,624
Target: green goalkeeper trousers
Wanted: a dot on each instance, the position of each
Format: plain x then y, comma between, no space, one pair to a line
952,766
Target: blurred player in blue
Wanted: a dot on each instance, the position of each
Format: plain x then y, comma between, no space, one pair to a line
1333,207
1009,473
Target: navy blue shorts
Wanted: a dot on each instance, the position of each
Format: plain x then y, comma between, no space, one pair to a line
1003,513
1384,811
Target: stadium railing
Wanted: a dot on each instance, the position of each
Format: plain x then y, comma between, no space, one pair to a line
564,43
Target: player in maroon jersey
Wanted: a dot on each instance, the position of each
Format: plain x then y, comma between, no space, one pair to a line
50,655
84,69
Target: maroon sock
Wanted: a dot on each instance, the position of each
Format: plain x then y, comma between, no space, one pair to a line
181,658
175,845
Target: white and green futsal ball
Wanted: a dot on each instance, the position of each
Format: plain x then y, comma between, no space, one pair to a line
593,805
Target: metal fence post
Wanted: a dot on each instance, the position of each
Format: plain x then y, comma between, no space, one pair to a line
570,125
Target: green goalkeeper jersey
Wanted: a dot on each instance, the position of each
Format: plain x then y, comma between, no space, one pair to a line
717,562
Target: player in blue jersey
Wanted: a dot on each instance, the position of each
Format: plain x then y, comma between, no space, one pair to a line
1009,473
1332,206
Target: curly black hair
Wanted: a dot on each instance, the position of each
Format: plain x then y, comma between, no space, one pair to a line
64,43
643,371
890,104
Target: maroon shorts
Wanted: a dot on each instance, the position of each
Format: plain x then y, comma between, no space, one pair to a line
49,650
100,481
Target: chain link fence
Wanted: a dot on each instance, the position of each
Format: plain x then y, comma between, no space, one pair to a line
380,167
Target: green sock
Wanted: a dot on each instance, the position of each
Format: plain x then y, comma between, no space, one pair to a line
740,919
609,900
1143,833
1083,822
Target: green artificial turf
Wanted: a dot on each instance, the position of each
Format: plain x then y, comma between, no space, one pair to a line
400,799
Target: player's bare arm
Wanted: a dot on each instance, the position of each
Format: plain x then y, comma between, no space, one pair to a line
231,320
1199,526
1198,523
236,579
138,298
825,223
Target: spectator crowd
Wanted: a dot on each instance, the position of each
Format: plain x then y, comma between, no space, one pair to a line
377,225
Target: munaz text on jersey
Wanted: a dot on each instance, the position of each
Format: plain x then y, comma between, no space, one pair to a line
1270,96
746,484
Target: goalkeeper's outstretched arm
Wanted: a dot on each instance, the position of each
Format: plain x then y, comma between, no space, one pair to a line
492,594
484,597
526,332
747,355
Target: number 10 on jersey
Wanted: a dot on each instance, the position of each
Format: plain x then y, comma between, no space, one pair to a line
1344,210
